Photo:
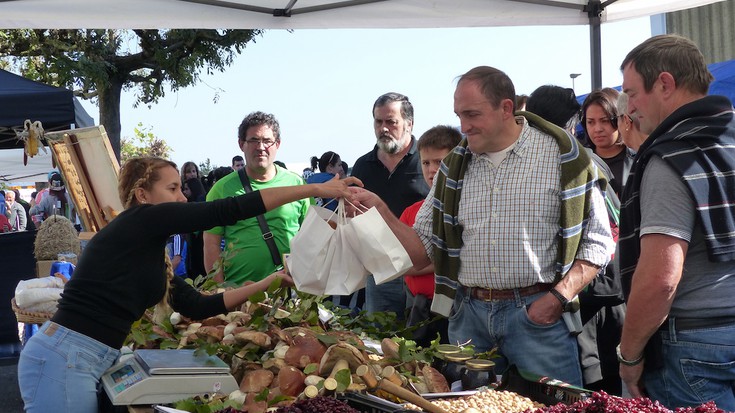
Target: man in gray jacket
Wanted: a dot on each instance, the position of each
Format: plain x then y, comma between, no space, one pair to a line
15,212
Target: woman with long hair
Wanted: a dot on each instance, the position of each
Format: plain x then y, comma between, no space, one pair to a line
124,270
600,123
330,165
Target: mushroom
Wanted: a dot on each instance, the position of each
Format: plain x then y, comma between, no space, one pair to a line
435,381
174,318
256,337
390,349
213,334
253,406
306,349
237,317
291,381
299,331
340,351
213,321
228,340
255,381
347,336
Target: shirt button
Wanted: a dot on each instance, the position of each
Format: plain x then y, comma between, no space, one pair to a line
493,242
495,214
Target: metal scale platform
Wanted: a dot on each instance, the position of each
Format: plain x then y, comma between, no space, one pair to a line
166,376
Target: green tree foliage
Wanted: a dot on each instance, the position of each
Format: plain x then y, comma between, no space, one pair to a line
206,167
144,143
100,64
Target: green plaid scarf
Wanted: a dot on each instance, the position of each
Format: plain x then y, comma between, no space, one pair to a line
578,176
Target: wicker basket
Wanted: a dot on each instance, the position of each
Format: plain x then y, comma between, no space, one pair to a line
29,317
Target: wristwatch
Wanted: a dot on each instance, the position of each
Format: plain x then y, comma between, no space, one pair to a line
567,306
625,362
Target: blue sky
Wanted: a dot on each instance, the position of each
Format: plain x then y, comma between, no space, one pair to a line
321,84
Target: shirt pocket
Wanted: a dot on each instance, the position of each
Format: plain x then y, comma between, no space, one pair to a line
546,206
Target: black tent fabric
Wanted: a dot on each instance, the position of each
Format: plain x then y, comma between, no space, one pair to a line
22,99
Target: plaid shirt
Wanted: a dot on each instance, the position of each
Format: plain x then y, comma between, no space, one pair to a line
510,217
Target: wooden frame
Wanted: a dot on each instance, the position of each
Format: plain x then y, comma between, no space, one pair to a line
90,168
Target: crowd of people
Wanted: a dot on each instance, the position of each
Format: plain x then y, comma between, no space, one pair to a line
593,243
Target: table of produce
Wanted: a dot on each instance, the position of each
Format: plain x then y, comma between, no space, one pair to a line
291,353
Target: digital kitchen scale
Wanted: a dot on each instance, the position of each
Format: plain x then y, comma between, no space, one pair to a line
166,376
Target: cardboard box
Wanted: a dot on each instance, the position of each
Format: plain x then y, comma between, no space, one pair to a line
43,268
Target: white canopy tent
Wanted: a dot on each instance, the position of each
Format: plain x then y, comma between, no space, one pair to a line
332,14
322,14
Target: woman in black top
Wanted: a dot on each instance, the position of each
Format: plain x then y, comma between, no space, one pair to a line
124,270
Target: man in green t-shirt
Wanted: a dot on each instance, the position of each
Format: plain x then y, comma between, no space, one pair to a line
246,256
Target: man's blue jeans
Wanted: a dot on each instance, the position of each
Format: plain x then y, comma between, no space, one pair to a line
59,369
699,366
390,296
548,350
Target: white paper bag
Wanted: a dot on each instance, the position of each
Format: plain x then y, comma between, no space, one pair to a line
322,261
346,274
377,247
308,261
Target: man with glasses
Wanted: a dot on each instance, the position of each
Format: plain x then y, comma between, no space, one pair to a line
247,255
392,170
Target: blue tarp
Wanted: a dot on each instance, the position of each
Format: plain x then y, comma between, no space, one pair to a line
724,84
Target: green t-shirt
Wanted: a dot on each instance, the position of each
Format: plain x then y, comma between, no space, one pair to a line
246,255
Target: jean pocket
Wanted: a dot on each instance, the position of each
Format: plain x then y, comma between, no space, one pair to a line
30,372
707,380
531,323
86,361
457,307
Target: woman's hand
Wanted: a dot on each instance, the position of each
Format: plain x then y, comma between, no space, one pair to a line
361,200
337,188
286,280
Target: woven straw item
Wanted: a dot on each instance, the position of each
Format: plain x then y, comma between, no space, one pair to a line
29,317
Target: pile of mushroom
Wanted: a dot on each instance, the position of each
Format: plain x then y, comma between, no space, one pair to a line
293,362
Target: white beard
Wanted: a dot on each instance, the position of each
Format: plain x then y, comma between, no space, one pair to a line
388,146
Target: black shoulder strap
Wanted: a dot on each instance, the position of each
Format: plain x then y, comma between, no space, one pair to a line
267,234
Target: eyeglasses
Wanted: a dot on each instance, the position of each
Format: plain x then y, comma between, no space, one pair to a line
255,143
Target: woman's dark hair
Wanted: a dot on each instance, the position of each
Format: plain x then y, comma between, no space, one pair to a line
327,159
221,172
607,99
187,166
196,187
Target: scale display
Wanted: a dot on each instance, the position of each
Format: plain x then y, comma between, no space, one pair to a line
166,376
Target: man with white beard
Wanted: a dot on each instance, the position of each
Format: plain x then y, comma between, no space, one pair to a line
392,170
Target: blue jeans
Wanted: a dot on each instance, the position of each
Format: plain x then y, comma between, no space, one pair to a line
547,350
698,366
59,369
388,296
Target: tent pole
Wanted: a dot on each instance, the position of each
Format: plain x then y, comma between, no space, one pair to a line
594,10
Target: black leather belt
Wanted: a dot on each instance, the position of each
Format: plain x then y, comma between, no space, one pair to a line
488,294
683,324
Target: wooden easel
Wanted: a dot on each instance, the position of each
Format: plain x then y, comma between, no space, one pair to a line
90,168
